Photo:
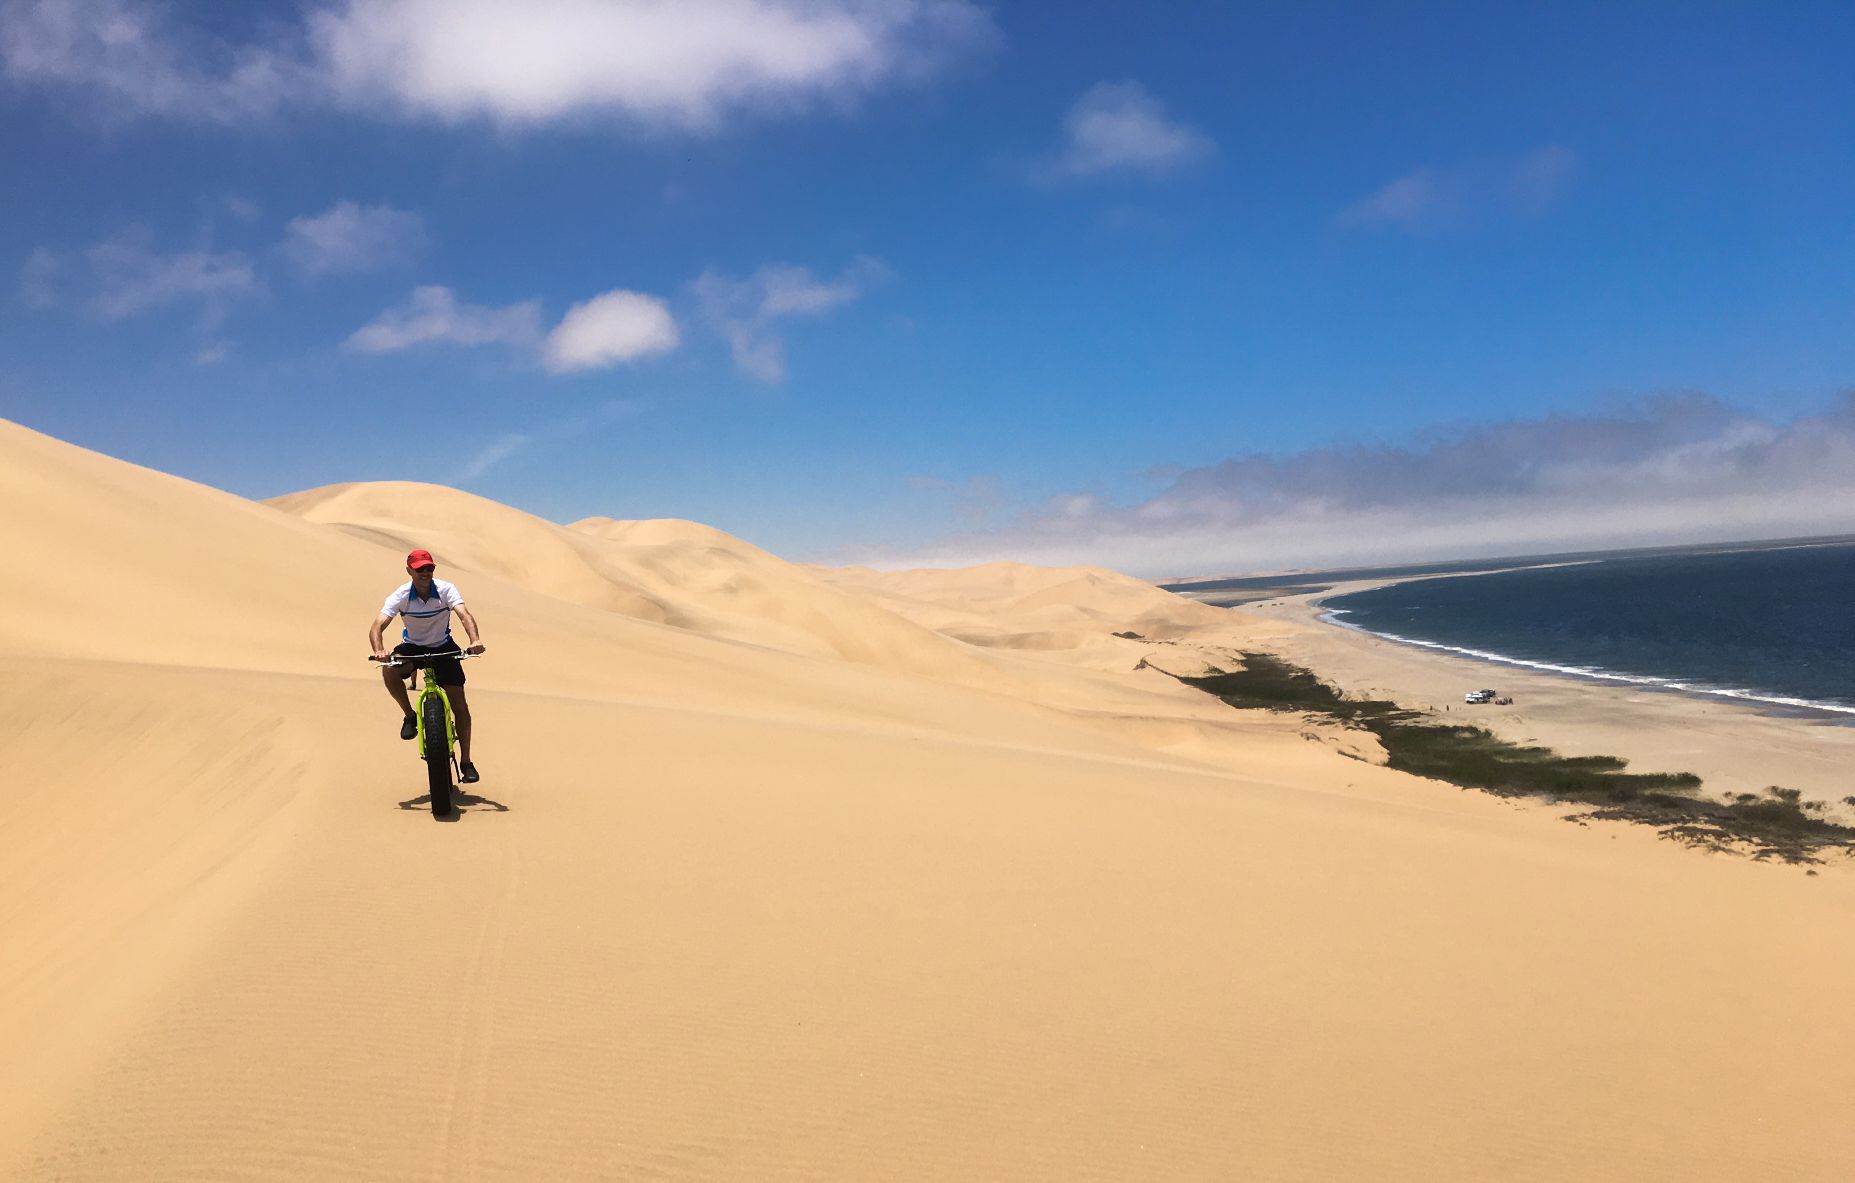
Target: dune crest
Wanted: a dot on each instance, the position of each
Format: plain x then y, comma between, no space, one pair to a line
662,532
1014,606
470,533
678,573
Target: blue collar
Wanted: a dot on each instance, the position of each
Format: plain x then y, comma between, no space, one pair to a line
413,587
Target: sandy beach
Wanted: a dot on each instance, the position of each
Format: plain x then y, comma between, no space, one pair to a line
779,872
1732,746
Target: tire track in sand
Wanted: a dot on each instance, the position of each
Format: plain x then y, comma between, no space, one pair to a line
461,1145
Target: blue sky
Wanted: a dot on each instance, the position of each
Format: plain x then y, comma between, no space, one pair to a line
1179,289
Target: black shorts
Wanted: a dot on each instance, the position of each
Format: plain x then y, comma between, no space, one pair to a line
448,673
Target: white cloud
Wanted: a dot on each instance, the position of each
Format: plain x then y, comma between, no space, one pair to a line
432,315
745,310
212,355
658,63
677,62
123,51
127,278
1669,470
1429,198
351,237
1410,200
123,277
618,326
1118,128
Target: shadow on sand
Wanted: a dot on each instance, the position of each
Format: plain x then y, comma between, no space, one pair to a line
461,803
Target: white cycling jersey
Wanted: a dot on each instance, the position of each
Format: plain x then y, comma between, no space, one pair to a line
428,620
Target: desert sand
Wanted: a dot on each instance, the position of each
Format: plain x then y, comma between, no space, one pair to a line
777,872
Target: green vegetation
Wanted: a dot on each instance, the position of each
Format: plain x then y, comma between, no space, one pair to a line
1774,824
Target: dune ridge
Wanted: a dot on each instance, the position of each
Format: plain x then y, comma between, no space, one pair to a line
773,876
680,574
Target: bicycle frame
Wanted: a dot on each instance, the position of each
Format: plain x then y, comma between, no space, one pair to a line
430,686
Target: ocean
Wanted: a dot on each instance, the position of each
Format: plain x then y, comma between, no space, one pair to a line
1770,625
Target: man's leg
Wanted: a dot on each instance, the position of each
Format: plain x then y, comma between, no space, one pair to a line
395,677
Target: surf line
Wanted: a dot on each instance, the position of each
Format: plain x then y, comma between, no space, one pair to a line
1333,616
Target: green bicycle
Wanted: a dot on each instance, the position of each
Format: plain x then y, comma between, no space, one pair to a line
433,712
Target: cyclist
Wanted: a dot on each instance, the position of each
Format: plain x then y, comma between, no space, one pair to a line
427,604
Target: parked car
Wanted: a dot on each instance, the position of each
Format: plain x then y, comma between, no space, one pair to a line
1479,696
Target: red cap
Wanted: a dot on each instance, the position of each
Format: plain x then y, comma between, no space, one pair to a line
421,558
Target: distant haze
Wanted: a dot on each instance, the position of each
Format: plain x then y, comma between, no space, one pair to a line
1664,471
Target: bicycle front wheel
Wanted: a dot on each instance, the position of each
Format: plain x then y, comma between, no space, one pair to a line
437,755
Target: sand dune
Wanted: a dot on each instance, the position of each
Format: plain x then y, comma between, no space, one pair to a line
1013,606
682,574
473,534
1013,591
695,578
775,874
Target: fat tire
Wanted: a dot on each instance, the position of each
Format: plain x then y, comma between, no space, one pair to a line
437,757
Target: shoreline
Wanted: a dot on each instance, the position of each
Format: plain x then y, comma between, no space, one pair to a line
1734,744
1799,708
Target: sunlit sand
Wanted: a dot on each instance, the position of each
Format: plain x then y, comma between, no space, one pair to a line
778,872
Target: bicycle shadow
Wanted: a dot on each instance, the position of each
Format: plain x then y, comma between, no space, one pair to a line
461,803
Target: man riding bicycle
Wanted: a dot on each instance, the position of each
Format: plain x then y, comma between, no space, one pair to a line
426,604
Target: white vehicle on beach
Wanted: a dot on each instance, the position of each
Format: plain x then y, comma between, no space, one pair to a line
1478,696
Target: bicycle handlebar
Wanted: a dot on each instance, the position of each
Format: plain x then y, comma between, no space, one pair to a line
421,660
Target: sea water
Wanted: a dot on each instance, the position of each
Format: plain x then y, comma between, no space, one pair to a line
1771,624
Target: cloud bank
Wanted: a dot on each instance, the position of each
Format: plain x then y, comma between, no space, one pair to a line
1666,470
668,64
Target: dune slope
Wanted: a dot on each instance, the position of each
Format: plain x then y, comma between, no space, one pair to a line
677,573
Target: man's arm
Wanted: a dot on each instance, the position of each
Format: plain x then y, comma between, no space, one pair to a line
376,637
470,628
